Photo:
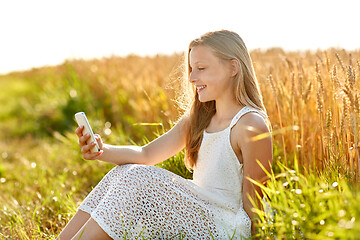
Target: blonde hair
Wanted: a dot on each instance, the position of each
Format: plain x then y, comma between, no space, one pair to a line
226,45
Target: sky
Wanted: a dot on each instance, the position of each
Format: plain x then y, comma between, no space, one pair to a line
47,32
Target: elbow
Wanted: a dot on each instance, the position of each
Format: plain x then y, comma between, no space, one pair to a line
135,155
145,157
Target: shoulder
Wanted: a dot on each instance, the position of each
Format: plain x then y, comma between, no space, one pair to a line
253,120
184,122
250,125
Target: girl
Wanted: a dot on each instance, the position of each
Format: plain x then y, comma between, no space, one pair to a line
138,200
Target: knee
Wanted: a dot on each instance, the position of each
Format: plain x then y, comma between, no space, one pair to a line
143,175
137,172
130,171
121,170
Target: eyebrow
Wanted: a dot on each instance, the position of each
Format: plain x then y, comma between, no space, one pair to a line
197,62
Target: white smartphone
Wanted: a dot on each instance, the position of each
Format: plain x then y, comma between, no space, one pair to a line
82,120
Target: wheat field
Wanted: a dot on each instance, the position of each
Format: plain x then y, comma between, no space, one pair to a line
312,99
316,97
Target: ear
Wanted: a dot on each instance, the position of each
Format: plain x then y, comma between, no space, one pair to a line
235,67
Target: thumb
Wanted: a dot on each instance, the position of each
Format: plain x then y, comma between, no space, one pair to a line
99,140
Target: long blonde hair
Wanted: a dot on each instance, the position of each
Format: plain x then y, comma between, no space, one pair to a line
226,45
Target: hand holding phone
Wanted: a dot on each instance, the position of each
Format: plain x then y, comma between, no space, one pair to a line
82,120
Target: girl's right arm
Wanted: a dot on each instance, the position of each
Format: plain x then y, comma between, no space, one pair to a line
162,148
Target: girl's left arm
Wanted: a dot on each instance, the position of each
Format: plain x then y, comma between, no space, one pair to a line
252,125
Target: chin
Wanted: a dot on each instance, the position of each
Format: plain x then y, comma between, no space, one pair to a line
203,100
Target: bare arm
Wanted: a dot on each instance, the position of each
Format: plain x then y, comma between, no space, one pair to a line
152,153
251,126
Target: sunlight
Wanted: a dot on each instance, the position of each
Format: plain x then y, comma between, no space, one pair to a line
48,32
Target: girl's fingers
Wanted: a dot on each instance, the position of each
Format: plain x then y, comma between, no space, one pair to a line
86,148
99,140
83,139
92,156
97,154
79,130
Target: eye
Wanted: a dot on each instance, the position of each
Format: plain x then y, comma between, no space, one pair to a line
201,68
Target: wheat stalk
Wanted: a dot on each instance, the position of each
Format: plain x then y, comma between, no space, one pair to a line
340,61
270,80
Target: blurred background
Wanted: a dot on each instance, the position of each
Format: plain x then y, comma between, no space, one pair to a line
44,32
121,62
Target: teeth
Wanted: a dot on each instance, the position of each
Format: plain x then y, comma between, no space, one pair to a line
199,88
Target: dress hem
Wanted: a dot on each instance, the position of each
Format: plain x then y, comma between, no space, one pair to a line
100,223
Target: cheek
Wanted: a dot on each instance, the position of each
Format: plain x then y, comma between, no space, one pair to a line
211,77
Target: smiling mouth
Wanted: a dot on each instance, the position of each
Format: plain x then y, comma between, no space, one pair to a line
200,88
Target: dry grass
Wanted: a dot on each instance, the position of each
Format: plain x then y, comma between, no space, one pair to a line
319,93
42,176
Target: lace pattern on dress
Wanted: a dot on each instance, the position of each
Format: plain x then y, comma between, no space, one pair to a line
148,202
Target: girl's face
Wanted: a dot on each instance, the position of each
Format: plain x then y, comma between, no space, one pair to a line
210,75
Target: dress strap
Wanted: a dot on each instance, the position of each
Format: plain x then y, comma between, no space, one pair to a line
245,110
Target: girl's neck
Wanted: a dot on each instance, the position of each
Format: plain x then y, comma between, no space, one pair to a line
227,110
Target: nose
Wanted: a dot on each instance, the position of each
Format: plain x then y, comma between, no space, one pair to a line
192,78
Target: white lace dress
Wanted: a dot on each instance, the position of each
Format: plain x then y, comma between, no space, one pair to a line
148,202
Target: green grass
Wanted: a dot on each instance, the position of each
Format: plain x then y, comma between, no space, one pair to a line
309,207
43,177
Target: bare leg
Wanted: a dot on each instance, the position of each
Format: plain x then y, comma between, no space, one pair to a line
91,230
76,222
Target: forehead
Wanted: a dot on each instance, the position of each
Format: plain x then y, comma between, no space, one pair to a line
202,54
